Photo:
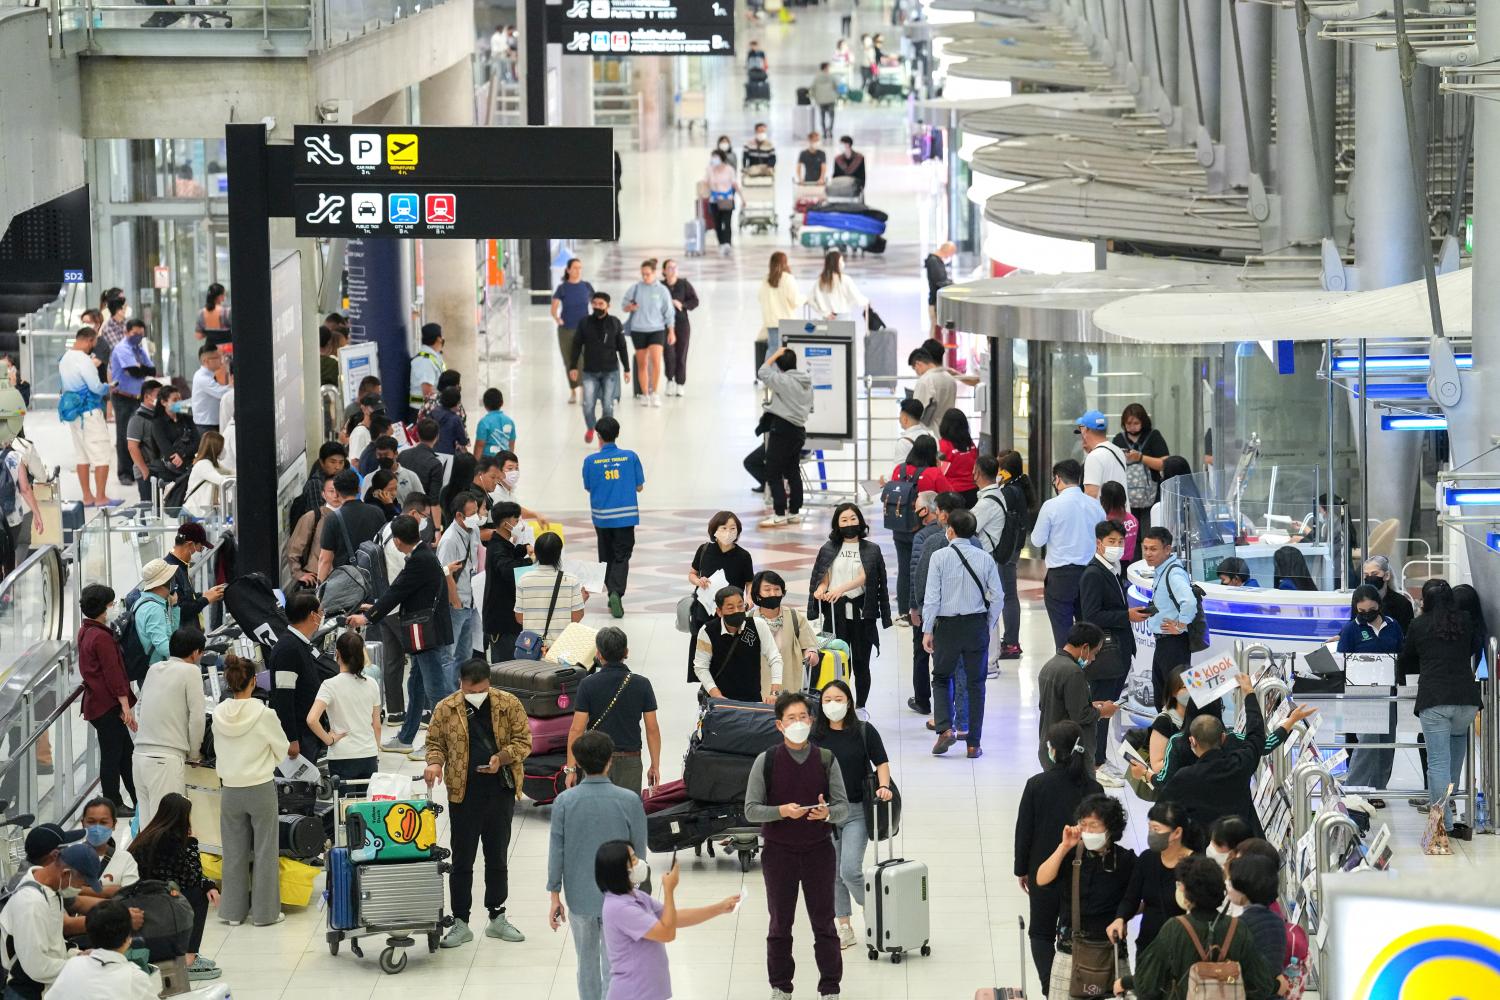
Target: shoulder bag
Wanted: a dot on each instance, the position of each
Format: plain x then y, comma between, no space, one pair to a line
690,614
418,632
529,645
880,824
1095,960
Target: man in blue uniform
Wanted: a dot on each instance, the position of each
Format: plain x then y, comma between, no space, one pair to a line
613,476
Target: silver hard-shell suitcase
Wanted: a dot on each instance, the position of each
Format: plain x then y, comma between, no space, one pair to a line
409,894
898,890
694,232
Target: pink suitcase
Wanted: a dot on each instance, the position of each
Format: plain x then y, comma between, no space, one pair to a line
549,736
668,794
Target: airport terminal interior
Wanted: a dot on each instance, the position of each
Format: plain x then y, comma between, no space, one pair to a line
1103,387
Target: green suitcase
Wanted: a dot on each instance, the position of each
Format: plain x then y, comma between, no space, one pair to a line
392,830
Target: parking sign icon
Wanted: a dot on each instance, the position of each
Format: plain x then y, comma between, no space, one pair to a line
403,209
364,149
440,210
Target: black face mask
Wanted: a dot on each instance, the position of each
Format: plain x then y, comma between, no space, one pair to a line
1368,617
600,313
386,463
734,619
769,603
850,531
1378,582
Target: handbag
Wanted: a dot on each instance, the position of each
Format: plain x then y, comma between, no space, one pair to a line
1095,961
880,824
690,614
529,645
417,632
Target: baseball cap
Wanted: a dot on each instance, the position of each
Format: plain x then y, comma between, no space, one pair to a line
84,860
1093,420
192,532
42,840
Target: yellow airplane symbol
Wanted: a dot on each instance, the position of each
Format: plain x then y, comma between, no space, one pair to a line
401,150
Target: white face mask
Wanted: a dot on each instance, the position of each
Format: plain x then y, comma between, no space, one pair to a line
476,698
798,732
639,872
1113,553
835,710
1217,856
1237,899
471,522
726,536
1182,900
1094,841
512,478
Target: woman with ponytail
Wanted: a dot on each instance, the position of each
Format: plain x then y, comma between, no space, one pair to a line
1047,805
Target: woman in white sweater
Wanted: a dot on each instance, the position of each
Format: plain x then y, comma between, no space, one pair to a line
834,294
248,744
208,474
779,296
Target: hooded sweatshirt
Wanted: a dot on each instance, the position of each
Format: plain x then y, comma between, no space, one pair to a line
791,393
171,711
249,742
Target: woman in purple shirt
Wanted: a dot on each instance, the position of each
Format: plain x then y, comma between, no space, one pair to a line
637,927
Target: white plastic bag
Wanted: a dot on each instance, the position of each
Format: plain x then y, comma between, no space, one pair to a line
385,786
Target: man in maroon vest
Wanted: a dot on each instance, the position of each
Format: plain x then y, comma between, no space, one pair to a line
797,795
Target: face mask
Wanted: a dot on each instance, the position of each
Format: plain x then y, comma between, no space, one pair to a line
179,407
835,710
388,464
798,732
1378,582
512,478
69,894
98,835
1182,697
1182,900
850,531
1236,899
1051,756
476,698
1113,553
760,137
522,534
639,872
1215,855
769,603
724,146
1158,842
471,522
726,536
734,619
600,313
1368,617
1082,661
1094,841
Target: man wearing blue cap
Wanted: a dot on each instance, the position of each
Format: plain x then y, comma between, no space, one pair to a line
31,924
1103,461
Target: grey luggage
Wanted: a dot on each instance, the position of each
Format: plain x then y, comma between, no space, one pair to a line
407,894
880,355
545,689
843,189
744,728
694,234
897,889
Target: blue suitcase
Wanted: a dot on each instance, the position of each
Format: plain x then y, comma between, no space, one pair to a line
846,221
343,911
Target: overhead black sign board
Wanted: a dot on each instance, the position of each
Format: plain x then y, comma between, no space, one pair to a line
643,27
434,181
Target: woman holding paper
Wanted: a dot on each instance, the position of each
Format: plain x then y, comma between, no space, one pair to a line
721,554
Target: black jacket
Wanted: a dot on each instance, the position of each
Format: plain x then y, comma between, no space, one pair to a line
877,598
1047,805
190,603
296,674
500,561
1218,783
423,462
173,437
1397,607
1101,602
682,291
937,277
420,585
596,342
1444,667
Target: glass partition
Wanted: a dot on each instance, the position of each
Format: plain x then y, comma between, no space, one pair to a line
1274,518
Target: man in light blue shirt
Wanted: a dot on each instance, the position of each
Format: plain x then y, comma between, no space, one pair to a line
1176,607
649,315
960,606
586,816
211,383
1065,525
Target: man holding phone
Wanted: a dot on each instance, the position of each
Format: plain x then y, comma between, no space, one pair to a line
593,812
476,743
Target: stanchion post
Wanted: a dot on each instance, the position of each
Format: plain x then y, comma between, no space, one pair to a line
1302,794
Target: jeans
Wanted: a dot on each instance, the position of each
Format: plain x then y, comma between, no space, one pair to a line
959,644
903,570
1060,593
593,957
849,845
825,116
115,750
1010,614
354,768
1447,730
814,870
615,546
603,387
465,621
1372,768
957,687
483,817
1106,689
425,687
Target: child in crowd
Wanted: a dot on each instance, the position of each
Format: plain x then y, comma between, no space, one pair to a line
496,431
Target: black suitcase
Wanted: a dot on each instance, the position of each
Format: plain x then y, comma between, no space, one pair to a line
543,780
757,90
689,824
301,837
710,776
738,727
546,690
295,797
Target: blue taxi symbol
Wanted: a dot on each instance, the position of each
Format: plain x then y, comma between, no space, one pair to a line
403,209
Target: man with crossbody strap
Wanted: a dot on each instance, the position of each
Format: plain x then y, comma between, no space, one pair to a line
548,597
614,701
1104,461
960,607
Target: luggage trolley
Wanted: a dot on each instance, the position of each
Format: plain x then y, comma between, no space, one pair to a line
400,898
758,191
804,196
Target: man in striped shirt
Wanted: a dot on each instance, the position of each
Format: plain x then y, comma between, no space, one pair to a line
613,476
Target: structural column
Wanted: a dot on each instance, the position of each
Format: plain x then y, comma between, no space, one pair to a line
449,266
1300,183
1205,15
1255,40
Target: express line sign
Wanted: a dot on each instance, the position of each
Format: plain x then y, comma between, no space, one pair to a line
434,181
643,27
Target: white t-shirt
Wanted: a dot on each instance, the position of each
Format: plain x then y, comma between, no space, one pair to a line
351,700
1105,464
122,869
846,567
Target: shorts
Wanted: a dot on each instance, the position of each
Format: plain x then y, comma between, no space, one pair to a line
648,338
92,444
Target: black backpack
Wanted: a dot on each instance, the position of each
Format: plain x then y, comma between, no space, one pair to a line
1013,534
898,500
1197,630
132,647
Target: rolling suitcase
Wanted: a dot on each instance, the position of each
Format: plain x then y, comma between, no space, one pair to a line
1008,992
880,354
711,776
546,689
300,837
689,824
343,914
544,780
549,735
693,235
902,923
295,797
744,728
392,830
400,896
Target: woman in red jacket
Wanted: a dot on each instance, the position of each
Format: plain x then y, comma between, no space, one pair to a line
107,698
922,464
958,451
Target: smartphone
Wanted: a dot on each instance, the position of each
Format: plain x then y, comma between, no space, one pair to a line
1150,609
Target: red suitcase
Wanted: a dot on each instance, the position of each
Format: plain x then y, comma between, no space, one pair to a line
549,736
663,796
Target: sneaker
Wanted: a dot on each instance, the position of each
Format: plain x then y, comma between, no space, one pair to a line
458,935
616,606
794,518
503,929
395,718
1010,651
426,720
681,390
230,923
270,923
201,970
656,399
1420,803
395,745
846,936
758,489
903,622
775,521
418,755
588,436
779,994
945,741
